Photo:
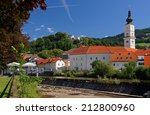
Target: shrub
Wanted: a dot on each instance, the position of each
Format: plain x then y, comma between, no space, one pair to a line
129,70
58,73
103,69
143,73
69,74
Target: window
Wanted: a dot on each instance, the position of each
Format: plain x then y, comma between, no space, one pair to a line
90,58
128,53
130,57
96,58
114,64
76,59
126,57
127,34
120,57
104,58
127,42
119,53
81,58
140,63
81,64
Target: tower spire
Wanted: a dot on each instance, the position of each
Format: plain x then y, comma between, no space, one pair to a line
129,18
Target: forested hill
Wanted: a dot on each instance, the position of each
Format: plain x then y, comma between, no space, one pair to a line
63,41
141,34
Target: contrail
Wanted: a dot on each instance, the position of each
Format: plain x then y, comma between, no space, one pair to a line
67,9
60,6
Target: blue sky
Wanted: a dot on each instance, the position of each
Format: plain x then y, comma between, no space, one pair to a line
93,18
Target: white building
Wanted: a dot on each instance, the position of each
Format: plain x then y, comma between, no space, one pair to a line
81,58
51,64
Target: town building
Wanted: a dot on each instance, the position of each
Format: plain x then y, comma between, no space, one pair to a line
50,64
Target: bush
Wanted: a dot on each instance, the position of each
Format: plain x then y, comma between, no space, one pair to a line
118,74
70,74
129,70
103,69
143,73
58,73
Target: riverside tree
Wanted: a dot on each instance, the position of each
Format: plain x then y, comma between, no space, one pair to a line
102,69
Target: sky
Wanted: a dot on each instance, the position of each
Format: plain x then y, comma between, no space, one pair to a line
92,18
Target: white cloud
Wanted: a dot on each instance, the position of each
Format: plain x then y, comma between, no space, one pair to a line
37,29
50,30
42,26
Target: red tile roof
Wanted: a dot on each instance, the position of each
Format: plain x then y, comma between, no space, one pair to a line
80,50
49,60
147,60
27,56
142,52
123,57
113,49
98,50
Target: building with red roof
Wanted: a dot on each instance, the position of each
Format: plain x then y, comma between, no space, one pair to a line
50,64
81,58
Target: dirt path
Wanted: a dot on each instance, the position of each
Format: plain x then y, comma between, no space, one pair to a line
67,92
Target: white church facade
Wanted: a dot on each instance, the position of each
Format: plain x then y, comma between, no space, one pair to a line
81,58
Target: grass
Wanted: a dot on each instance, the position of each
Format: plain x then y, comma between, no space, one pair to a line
3,83
31,88
143,44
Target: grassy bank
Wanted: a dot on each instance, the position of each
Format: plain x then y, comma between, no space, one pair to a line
31,88
3,83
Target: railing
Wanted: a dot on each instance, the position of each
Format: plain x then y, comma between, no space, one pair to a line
10,83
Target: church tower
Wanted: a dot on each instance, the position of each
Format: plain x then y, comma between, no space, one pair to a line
129,34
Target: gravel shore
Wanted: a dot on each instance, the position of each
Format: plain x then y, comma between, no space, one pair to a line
49,91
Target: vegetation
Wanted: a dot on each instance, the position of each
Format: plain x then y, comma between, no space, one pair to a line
27,85
143,45
129,70
102,69
50,53
3,83
13,14
63,41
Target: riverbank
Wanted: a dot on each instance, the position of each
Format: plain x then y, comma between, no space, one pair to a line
128,88
49,91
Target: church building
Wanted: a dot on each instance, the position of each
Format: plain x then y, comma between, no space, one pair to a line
81,58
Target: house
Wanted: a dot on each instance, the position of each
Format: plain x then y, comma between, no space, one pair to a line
51,64
30,57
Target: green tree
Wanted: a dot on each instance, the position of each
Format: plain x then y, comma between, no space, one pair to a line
50,53
129,70
102,69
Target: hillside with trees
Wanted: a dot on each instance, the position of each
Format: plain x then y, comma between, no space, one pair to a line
62,41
